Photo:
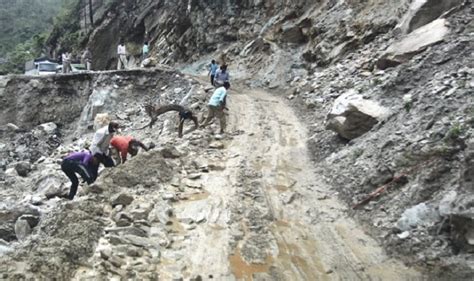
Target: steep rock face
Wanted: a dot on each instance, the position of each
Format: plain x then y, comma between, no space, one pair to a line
177,30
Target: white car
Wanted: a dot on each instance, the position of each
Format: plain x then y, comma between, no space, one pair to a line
43,68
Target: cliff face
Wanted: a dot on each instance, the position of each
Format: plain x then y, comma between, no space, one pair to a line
184,30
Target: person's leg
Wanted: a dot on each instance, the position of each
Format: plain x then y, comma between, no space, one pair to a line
180,127
119,63
125,62
108,161
68,168
88,65
212,80
210,115
222,120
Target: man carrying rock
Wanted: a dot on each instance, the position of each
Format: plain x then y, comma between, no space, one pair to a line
84,164
101,141
125,145
216,106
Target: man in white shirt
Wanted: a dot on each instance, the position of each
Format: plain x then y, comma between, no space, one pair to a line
122,56
66,59
101,141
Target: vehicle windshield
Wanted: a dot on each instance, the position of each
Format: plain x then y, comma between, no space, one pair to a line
47,67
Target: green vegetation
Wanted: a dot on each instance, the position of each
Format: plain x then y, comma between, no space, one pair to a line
455,131
24,28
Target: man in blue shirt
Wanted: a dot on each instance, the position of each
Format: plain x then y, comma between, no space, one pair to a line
212,70
216,106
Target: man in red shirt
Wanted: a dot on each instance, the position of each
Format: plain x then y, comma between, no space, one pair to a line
125,145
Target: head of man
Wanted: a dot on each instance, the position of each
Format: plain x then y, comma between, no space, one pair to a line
224,68
226,85
97,159
113,127
213,61
133,148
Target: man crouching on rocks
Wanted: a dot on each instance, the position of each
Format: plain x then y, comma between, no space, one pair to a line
217,105
85,165
125,145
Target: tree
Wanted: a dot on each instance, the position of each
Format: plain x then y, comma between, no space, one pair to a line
91,14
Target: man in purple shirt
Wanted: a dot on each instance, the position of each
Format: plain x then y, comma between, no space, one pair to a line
85,165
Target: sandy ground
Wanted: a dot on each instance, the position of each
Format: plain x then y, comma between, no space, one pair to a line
267,215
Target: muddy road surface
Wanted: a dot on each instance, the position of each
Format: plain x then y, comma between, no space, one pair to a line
265,213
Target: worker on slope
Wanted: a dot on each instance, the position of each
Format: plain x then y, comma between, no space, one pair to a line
101,142
217,105
84,164
213,70
221,76
126,145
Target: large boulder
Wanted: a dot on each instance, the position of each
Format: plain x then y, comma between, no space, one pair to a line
422,12
352,115
414,43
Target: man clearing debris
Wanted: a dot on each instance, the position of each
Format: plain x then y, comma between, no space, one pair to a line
216,106
184,114
85,165
122,56
125,145
101,141
221,77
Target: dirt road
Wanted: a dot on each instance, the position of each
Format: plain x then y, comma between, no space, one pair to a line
266,215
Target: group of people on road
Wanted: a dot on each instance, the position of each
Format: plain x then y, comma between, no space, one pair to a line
105,141
122,54
104,144
86,57
218,75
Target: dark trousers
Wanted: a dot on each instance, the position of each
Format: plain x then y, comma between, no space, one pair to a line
212,79
70,168
108,161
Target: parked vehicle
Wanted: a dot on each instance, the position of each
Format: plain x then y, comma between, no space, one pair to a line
75,68
42,67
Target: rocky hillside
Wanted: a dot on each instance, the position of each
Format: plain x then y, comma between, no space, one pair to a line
383,88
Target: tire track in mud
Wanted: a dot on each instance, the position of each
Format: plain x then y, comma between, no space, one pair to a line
290,225
267,215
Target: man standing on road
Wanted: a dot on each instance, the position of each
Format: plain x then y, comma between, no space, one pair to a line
101,141
125,145
66,60
82,163
212,71
87,59
122,56
216,106
145,51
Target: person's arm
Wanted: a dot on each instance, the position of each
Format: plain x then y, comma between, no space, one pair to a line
137,142
123,155
222,97
87,159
